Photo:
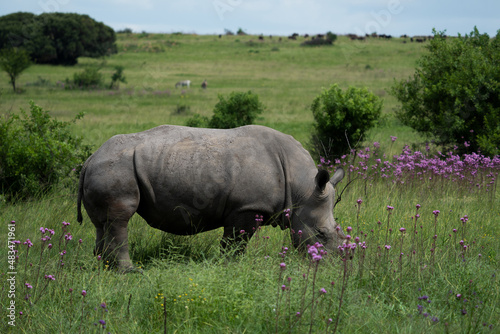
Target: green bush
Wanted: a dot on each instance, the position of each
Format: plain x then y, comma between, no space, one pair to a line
454,95
237,110
331,36
197,121
90,77
117,77
341,119
36,152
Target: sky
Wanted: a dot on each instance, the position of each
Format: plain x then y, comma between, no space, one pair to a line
280,17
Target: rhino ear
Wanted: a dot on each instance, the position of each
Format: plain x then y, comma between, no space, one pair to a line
322,179
338,176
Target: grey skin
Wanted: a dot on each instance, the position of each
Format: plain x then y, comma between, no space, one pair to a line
185,181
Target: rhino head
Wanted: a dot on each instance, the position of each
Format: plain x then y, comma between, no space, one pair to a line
313,220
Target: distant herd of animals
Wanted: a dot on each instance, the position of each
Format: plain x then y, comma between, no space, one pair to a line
187,83
354,37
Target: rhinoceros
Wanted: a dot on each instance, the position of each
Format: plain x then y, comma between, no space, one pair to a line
185,181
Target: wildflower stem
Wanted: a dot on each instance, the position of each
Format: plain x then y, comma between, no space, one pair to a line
344,285
312,298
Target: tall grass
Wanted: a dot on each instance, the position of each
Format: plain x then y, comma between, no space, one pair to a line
425,261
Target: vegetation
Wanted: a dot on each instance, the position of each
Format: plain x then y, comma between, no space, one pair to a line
117,77
14,61
187,286
57,38
328,40
454,95
36,152
422,261
89,77
342,119
237,110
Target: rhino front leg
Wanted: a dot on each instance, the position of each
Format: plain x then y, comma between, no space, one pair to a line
238,230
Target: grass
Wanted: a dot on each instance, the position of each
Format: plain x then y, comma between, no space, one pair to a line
187,286
286,80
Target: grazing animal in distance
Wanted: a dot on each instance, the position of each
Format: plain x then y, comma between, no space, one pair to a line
204,84
183,83
184,181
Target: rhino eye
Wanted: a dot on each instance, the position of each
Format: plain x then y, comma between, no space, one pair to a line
321,235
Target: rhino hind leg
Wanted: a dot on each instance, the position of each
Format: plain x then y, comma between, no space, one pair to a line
112,236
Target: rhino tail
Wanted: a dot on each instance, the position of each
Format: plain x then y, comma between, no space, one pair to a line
79,217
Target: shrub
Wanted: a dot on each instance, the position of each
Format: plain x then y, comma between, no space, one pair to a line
237,110
117,77
329,40
197,121
124,31
331,36
341,119
36,152
90,77
454,95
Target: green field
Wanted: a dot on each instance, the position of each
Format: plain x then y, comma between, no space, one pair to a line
286,76
187,286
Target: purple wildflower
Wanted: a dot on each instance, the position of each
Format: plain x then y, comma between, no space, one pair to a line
28,243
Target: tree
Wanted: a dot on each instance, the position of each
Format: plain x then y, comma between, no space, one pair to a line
14,61
454,94
341,119
57,38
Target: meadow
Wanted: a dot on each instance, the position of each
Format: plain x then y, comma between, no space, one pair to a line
424,224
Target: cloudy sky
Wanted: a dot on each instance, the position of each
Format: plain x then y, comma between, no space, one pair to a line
280,17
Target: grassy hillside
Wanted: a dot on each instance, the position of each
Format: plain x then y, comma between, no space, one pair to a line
285,75
422,271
